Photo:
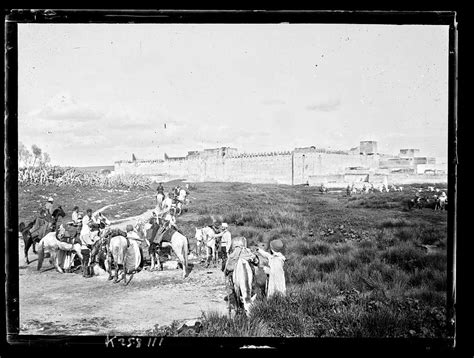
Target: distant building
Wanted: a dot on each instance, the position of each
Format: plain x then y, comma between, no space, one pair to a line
408,153
368,147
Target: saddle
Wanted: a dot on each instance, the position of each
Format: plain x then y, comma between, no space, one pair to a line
116,232
165,236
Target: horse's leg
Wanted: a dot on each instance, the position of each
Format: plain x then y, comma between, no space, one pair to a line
124,274
109,265
152,259
116,272
158,260
40,255
185,259
33,243
130,279
27,243
54,257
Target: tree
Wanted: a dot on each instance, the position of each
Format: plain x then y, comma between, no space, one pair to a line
24,155
46,159
36,152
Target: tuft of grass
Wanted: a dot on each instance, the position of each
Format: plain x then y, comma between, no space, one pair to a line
395,222
406,256
313,248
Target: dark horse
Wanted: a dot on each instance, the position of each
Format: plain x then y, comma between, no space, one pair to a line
38,228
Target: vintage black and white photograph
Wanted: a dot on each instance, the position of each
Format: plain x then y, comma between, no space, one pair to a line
233,179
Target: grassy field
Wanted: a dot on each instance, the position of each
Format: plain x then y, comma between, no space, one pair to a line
355,265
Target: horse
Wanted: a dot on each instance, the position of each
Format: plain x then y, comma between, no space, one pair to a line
119,254
242,277
52,245
180,246
159,199
38,228
176,207
206,237
28,240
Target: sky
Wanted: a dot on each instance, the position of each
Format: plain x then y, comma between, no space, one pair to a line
92,94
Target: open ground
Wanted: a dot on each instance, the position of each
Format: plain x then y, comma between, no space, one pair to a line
359,266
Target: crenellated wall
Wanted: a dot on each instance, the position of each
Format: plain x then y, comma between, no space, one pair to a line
300,166
277,167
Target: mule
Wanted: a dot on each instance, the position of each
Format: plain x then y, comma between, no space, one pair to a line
51,244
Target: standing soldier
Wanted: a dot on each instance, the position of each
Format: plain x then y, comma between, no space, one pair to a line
226,241
86,242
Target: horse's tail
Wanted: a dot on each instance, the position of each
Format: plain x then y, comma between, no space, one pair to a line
40,252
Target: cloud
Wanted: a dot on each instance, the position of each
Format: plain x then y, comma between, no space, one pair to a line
273,102
63,107
325,106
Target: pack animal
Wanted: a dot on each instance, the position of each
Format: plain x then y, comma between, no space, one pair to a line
119,255
242,277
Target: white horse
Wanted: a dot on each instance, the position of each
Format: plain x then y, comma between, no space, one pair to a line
159,199
128,257
179,244
206,237
242,278
51,244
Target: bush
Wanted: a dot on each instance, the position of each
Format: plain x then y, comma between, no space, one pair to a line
405,256
431,235
313,248
404,234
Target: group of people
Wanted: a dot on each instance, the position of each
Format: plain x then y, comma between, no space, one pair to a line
231,250
88,225
440,201
276,283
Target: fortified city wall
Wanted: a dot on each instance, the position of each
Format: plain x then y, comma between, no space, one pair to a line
300,166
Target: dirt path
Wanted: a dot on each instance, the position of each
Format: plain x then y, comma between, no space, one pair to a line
54,303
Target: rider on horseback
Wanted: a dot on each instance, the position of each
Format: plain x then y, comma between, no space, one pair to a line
168,222
160,189
49,206
75,216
